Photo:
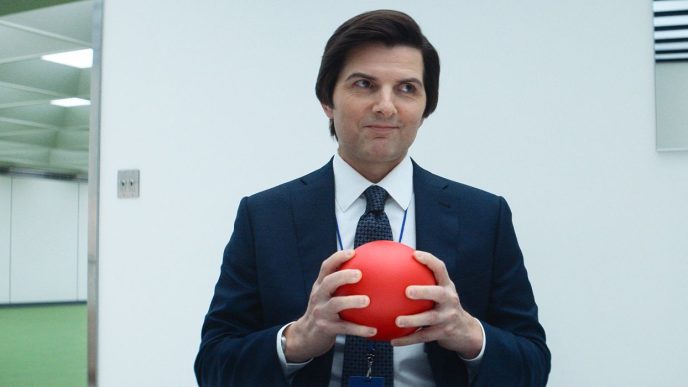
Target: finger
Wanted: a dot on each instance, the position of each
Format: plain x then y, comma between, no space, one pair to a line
424,319
435,265
332,281
332,263
338,304
424,335
342,327
423,292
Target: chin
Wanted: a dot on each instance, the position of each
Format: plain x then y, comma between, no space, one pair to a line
385,158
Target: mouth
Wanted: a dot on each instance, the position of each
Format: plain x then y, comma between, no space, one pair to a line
381,127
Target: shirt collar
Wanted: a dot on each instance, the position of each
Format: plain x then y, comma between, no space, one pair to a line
349,184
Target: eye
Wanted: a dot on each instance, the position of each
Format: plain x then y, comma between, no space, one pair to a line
363,83
408,88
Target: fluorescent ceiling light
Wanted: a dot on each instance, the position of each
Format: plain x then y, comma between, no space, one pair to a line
79,58
69,102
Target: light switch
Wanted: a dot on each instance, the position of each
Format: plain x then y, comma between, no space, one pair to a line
128,183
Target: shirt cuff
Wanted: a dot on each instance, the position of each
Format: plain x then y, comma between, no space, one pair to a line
475,362
288,369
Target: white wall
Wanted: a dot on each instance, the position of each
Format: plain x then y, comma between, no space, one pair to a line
5,211
40,246
547,103
44,240
82,244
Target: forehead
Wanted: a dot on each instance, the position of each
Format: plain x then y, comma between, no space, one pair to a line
377,59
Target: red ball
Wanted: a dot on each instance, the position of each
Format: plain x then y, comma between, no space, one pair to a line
387,268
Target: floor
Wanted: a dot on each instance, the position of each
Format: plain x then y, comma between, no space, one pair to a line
43,346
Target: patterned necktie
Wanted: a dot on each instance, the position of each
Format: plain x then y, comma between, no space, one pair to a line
372,226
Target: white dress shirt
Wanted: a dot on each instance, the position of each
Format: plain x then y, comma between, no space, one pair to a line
411,366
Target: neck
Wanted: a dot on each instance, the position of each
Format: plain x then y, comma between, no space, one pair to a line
373,172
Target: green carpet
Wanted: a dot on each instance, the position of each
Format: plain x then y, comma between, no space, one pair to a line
43,346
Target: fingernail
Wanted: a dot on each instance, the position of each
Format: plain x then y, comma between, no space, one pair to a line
372,332
349,253
400,323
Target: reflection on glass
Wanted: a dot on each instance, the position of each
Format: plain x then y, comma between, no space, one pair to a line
44,140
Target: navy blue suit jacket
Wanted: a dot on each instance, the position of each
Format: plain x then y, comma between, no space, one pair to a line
282,235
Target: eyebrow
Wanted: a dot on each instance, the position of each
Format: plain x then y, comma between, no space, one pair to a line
372,78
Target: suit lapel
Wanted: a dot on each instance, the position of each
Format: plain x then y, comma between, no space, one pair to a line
315,222
437,223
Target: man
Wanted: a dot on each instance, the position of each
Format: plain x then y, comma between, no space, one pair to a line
274,317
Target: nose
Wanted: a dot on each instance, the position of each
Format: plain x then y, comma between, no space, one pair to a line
384,105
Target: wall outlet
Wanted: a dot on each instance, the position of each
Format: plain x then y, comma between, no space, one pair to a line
128,183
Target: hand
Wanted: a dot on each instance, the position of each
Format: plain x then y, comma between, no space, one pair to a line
447,323
315,332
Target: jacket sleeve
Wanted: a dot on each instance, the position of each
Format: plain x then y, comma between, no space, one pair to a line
237,349
515,351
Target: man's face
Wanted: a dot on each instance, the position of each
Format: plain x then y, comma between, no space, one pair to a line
378,105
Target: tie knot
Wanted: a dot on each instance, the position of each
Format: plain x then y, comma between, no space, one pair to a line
375,197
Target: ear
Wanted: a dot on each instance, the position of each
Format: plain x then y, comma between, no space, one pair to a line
328,110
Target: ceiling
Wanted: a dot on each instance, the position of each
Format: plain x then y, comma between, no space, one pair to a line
34,134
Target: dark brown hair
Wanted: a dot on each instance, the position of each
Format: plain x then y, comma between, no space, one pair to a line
391,28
